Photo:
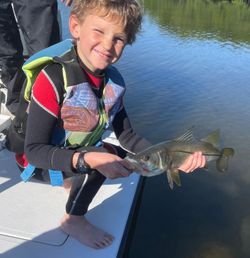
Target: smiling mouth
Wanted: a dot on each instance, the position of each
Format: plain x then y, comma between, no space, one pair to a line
105,55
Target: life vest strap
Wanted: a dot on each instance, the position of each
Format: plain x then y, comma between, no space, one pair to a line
56,177
27,173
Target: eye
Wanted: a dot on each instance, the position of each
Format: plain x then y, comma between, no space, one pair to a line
146,158
98,31
120,39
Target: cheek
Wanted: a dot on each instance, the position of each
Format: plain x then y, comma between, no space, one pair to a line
95,37
119,50
88,40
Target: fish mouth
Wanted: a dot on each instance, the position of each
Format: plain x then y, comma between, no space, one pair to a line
144,169
136,165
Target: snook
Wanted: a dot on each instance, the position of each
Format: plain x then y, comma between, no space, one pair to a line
168,156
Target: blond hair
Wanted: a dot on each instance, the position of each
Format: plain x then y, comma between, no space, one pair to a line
129,11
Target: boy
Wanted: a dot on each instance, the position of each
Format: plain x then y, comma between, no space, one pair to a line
101,29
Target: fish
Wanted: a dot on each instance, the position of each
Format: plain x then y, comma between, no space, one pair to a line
168,156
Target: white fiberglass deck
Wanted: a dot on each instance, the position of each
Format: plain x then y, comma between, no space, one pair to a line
4,122
30,213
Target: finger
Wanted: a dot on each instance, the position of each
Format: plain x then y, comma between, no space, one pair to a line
203,161
192,162
128,165
193,165
186,166
124,172
199,160
196,160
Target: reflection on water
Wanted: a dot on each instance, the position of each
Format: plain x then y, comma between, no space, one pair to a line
202,18
190,66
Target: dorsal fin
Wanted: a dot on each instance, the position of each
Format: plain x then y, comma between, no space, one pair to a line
187,136
213,138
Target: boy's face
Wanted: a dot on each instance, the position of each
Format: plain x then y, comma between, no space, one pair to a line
100,40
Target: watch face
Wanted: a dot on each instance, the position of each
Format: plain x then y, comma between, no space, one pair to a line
80,166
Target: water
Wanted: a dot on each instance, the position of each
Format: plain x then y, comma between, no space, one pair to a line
190,66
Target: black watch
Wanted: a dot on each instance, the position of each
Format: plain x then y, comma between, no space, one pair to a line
82,166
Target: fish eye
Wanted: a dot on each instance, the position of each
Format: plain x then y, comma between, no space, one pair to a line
146,158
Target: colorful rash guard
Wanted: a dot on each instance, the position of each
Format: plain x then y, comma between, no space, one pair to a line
49,113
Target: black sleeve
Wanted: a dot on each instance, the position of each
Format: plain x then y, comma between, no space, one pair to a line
40,125
38,149
129,140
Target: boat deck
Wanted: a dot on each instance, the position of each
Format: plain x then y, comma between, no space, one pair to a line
30,215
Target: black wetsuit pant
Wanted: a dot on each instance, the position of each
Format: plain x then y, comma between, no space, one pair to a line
82,192
84,187
38,21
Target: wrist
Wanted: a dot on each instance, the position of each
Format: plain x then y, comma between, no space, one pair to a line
82,166
74,159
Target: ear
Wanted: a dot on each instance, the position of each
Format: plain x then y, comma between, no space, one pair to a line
74,26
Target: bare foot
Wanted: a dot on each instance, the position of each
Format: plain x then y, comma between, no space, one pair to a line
79,228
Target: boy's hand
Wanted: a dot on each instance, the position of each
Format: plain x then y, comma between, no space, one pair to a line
110,165
194,161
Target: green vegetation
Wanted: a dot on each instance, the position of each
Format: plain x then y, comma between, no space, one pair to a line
201,18
232,1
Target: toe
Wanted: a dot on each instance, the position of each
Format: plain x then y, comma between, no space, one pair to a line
108,236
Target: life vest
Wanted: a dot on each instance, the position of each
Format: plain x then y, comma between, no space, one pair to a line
93,114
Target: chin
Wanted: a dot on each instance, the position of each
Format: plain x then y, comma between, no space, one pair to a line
102,67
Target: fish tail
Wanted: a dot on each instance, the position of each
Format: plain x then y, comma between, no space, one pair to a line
222,161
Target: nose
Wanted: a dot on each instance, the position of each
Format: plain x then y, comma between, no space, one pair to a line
107,43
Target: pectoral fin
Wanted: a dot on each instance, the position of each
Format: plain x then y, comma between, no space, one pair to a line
173,176
170,180
176,176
